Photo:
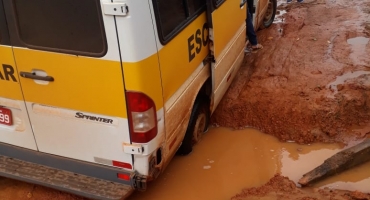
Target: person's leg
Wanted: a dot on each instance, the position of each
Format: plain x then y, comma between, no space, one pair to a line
252,37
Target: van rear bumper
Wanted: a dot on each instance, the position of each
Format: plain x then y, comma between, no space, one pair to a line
81,178
79,184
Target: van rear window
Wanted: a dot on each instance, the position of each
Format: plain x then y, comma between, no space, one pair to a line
68,26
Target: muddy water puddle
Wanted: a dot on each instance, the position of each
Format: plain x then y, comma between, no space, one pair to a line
358,45
227,161
340,80
358,41
279,17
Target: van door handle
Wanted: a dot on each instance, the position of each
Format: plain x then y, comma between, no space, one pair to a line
36,77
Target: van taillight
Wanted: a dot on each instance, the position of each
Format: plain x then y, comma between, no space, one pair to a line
142,117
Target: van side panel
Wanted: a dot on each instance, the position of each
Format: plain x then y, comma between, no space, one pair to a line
20,132
226,25
229,37
178,115
261,7
9,79
179,60
145,76
183,74
182,55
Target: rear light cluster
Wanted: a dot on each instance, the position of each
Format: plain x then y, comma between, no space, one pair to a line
142,116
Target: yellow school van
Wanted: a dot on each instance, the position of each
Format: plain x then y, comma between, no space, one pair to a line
97,96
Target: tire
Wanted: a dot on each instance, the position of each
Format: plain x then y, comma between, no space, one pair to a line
198,125
269,15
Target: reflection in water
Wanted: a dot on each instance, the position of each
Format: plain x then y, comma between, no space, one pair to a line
358,41
280,2
227,161
341,79
355,179
279,17
358,45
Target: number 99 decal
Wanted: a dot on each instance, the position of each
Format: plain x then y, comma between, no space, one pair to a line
4,118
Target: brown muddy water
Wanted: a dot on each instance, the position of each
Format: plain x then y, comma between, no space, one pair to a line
340,80
226,161
358,46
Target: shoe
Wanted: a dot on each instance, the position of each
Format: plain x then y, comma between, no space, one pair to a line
289,1
248,50
300,1
256,48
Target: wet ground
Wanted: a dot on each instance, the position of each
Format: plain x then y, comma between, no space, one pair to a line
223,164
311,81
310,84
227,161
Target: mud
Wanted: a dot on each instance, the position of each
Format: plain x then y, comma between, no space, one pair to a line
227,161
281,188
222,164
311,82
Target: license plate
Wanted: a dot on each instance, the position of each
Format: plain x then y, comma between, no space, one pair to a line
6,116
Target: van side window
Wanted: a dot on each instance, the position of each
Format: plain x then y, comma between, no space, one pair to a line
173,15
4,35
218,2
68,26
196,5
1,28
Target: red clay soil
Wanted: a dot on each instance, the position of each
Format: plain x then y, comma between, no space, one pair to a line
286,88
281,188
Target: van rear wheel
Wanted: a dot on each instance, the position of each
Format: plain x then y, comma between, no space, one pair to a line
198,125
270,14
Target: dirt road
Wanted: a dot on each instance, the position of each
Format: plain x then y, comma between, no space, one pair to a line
281,188
310,83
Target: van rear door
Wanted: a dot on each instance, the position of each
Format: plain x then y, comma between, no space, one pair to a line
15,127
68,59
228,35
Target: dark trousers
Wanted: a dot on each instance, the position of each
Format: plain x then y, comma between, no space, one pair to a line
252,37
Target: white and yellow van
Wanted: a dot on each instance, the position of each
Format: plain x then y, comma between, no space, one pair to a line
96,96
